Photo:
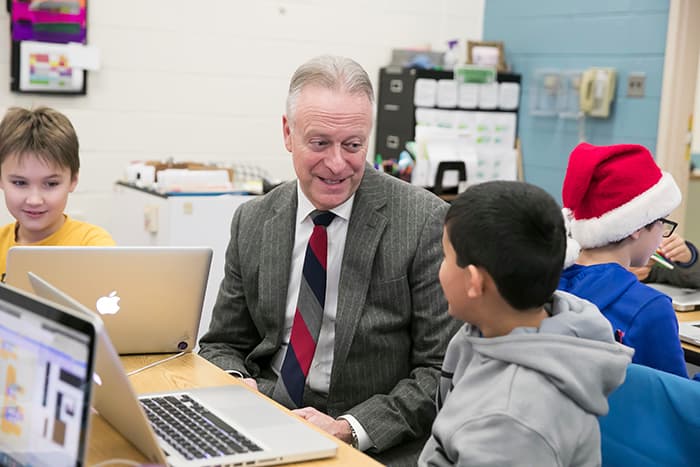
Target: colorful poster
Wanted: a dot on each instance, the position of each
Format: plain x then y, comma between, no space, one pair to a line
57,21
48,67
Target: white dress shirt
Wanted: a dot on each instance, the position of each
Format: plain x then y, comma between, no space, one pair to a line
319,377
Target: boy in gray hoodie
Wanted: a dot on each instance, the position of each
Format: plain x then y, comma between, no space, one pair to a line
525,378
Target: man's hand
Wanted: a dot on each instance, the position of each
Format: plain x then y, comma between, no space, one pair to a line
675,249
339,428
248,381
251,382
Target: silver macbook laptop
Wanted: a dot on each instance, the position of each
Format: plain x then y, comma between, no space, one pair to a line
150,298
46,363
226,425
689,331
683,299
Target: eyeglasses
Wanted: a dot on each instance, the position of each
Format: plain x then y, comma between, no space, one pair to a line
668,226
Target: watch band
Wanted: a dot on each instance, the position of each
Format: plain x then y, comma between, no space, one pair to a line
355,441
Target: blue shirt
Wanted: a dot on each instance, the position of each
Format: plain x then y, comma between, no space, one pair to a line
641,317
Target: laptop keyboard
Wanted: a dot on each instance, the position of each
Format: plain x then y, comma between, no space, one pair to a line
193,430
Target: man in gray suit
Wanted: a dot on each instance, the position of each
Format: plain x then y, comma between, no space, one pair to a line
381,335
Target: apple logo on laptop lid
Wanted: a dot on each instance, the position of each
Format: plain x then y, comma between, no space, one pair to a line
109,304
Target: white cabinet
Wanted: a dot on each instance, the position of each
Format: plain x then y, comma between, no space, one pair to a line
144,217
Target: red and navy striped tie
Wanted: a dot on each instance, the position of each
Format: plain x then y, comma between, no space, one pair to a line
308,315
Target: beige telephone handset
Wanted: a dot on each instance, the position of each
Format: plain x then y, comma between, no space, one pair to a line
597,90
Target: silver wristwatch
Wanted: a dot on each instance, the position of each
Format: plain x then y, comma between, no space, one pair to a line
355,442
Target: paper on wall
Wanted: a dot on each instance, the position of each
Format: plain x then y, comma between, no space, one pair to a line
483,162
84,57
426,117
493,165
47,67
445,118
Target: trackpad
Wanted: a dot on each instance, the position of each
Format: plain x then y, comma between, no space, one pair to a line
242,406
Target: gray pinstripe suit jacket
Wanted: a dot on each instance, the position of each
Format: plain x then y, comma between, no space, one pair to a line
392,327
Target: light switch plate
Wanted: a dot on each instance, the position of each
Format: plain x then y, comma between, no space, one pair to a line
635,84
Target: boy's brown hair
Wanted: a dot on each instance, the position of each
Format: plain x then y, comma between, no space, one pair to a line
42,132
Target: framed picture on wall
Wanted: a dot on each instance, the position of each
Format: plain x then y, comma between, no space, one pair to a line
45,56
486,53
45,68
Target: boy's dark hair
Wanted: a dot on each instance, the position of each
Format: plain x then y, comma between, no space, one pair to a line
42,132
515,231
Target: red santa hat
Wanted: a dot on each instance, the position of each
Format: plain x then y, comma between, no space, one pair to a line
611,191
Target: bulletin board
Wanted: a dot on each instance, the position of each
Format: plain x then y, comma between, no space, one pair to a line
44,33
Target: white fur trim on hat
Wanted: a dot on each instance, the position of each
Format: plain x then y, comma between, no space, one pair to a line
614,225
573,249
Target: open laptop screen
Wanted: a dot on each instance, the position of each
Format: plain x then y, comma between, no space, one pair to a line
46,362
149,297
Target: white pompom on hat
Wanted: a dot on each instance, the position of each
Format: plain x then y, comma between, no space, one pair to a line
612,191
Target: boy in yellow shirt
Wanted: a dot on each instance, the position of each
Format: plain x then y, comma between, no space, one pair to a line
39,166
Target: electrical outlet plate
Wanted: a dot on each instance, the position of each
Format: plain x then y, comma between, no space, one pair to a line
635,84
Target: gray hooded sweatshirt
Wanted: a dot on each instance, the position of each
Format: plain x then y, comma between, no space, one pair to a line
529,398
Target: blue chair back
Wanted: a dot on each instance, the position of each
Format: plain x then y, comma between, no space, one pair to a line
654,420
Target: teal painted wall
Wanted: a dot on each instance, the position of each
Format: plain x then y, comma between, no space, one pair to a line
628,35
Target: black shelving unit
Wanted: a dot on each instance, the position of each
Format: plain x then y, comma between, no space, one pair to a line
396,113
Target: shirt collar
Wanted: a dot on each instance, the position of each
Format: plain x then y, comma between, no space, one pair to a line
304,207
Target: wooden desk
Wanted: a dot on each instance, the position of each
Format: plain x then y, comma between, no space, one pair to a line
692,352
187,371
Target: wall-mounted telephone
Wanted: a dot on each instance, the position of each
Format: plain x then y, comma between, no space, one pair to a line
597,90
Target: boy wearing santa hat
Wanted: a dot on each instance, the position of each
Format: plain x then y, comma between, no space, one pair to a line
616,199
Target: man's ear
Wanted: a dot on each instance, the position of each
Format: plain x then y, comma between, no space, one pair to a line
635,235
475,279
287,133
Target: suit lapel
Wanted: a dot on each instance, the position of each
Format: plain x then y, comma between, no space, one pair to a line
365,231
275,259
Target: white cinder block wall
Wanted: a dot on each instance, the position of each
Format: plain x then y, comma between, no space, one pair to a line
206,81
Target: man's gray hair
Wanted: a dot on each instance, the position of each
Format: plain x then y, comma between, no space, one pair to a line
331,72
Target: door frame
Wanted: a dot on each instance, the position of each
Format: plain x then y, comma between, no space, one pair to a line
678,95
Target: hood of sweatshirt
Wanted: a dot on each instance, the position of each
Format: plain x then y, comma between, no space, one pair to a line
574,349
